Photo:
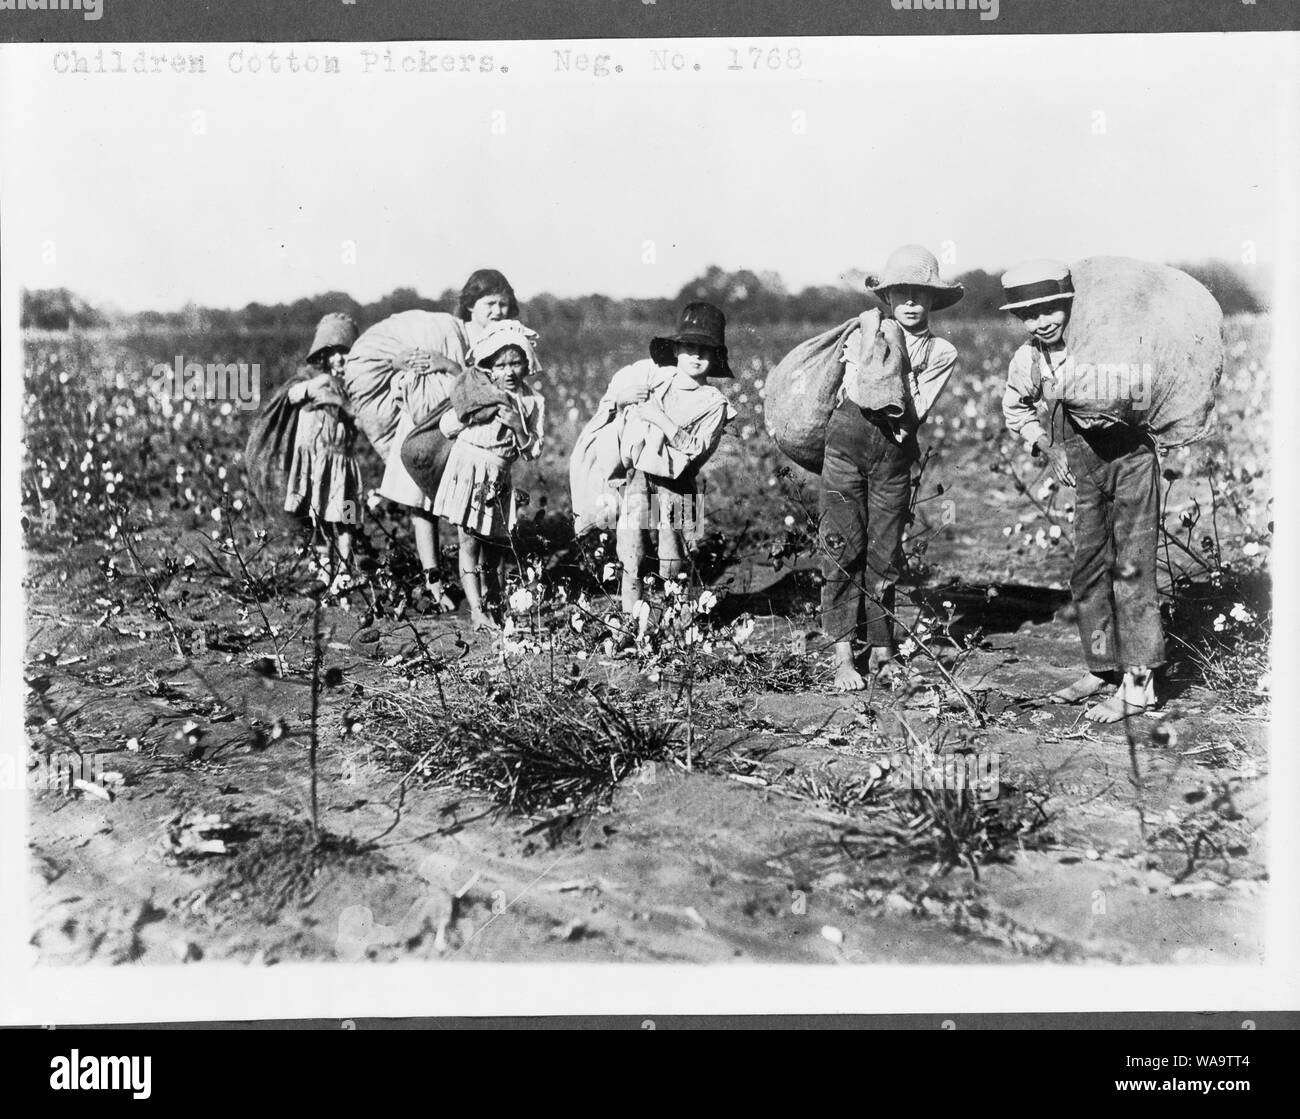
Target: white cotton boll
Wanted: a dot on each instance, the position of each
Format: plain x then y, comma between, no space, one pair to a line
522,600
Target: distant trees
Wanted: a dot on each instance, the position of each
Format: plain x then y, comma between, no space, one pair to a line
57,309
748,297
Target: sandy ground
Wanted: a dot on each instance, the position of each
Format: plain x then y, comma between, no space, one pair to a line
725,862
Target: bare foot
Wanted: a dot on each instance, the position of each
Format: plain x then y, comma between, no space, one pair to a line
880,662
848,678
1082,688
1132,697
480,621
442,601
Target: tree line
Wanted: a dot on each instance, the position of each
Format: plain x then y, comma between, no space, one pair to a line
752,298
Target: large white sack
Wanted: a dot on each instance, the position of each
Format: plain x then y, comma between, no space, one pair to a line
1145,343
376,367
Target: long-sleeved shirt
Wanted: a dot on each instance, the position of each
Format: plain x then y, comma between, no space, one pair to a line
1031,377
498,437
698,411
931,362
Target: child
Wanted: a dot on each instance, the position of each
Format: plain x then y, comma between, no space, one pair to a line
324,479
1116,472
667,422
866,480
494,418
400,371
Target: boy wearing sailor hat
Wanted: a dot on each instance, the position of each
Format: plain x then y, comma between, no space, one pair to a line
1115,471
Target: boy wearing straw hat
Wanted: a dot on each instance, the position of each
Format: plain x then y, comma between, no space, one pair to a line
1115,471
871,445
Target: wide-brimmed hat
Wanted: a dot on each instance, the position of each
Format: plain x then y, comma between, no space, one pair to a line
502,333
1036,281
702,324
335,330
915,266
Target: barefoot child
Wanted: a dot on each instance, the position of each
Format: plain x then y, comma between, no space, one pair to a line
866,477
1115,469
324,479
402,368
495,419
661,422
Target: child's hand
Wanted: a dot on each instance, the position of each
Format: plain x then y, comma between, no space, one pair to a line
653,414
630,396
1058,464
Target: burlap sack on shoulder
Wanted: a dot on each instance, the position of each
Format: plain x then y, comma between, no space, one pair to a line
426,450
1145,344
801,391
268,454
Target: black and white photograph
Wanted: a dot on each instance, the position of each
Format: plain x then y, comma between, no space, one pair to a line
788,520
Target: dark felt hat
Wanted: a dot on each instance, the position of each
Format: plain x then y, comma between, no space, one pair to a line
702,324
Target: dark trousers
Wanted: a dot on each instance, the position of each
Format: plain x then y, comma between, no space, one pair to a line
865,492
1116,529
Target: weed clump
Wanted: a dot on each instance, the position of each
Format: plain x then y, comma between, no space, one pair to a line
535,748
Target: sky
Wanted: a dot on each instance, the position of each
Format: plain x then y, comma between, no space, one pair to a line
146,191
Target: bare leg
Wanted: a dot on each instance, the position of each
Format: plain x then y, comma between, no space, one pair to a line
672,556
630,544
324,562
340,543
470,564
1135,694
425,528
343,540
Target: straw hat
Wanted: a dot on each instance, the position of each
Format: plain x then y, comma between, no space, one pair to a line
914,266
1036,281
